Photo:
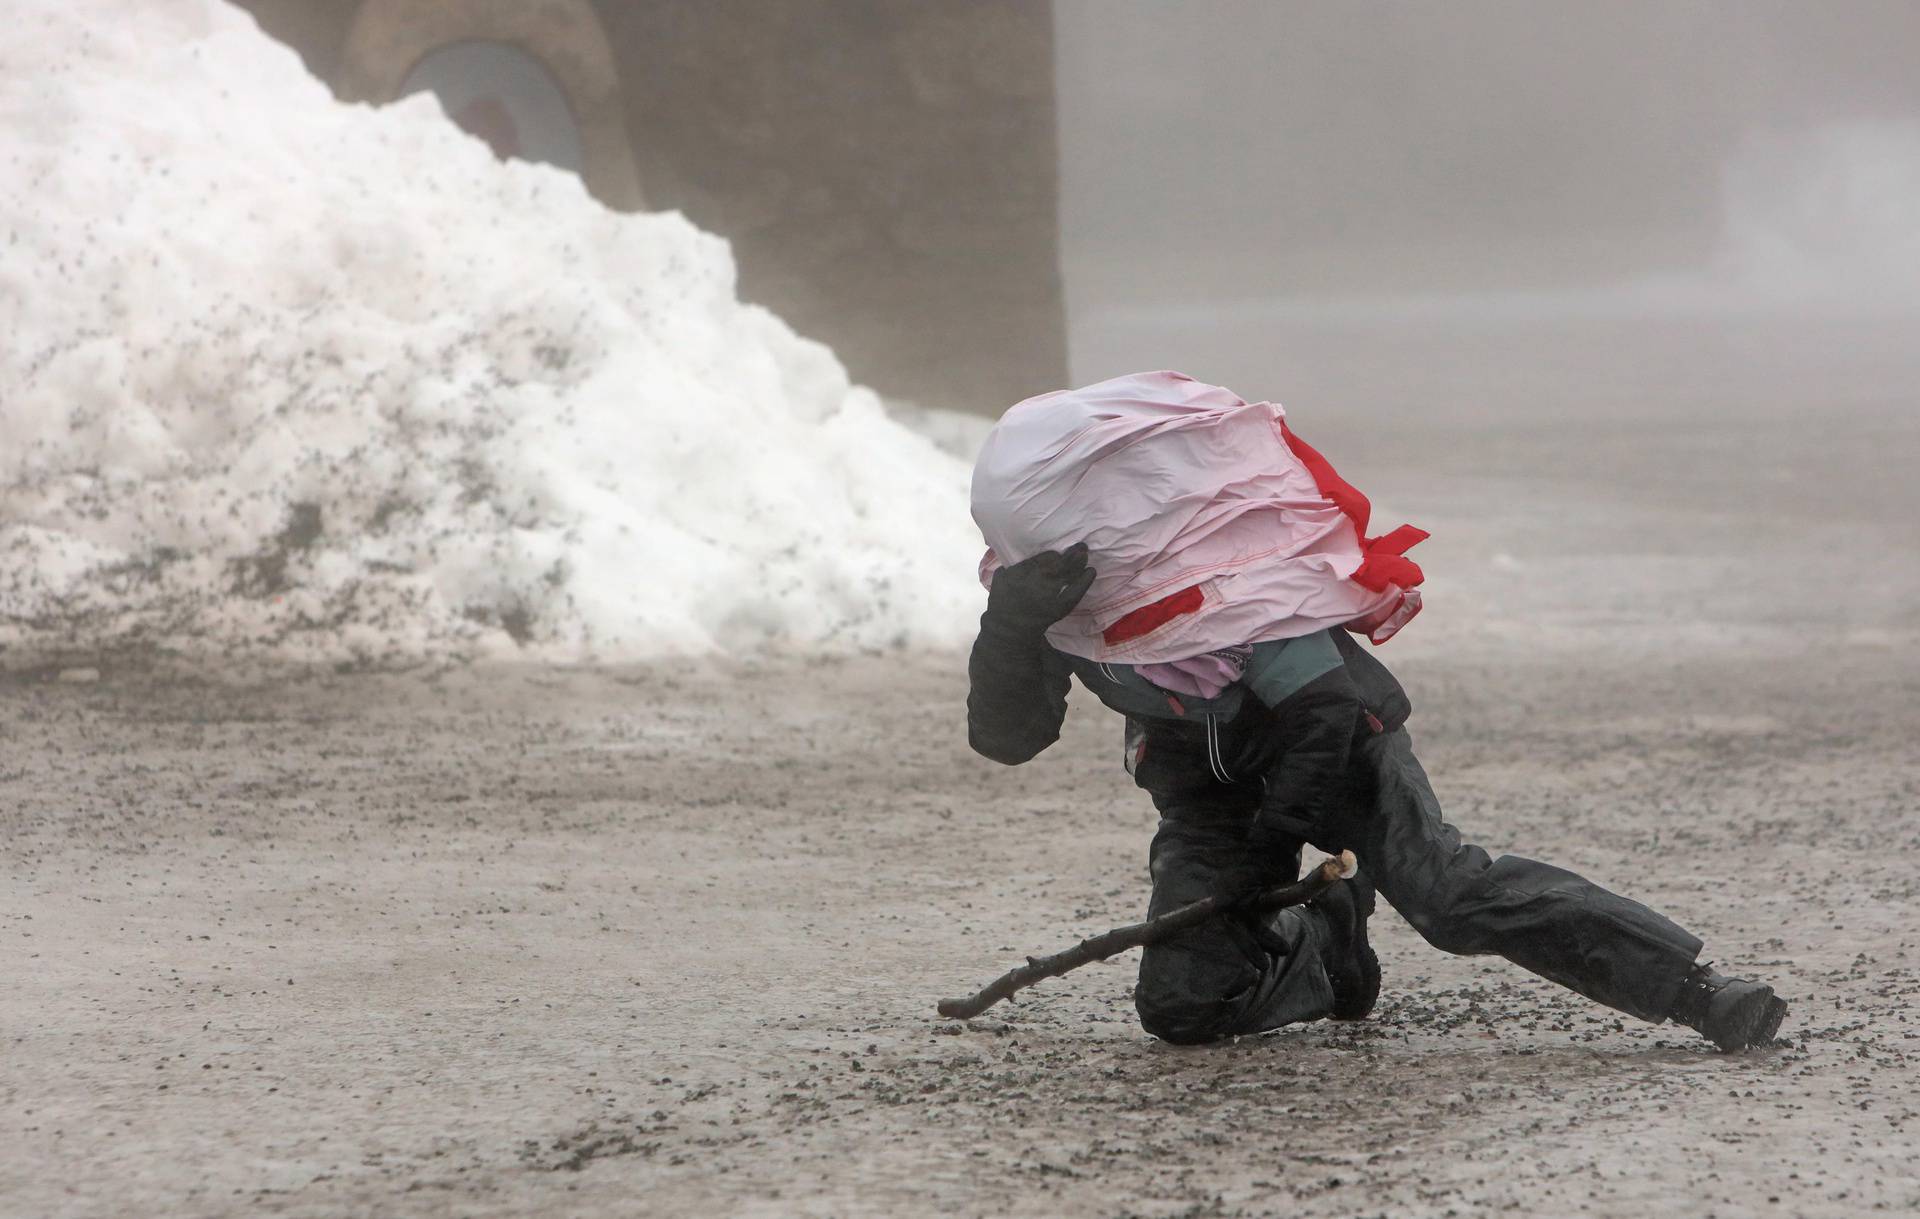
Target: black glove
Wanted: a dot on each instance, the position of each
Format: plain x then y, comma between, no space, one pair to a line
1037,592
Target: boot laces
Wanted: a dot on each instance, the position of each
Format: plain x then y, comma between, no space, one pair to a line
1697,990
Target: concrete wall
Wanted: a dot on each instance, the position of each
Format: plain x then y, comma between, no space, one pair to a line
886,169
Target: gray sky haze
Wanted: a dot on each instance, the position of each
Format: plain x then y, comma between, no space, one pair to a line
1481,201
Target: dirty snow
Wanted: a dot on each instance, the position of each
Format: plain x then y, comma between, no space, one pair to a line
301,379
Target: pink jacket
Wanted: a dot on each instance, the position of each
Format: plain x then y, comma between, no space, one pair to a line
1210,524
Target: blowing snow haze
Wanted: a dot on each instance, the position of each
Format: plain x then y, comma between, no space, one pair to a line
1495,210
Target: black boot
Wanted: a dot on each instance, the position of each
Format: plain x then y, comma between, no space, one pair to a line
1351,965
1730,1012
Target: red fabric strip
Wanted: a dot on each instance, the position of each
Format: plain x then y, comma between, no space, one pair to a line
1344,495
1399,541
1383,560
1151,617
1377,571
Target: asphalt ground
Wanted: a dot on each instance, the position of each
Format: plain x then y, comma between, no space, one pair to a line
668,940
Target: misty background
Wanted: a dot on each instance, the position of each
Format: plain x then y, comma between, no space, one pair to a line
1494,209
1621,300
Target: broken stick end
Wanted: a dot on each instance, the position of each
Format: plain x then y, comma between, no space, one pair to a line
1348,864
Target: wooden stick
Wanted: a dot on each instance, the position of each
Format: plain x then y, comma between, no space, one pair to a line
1152,931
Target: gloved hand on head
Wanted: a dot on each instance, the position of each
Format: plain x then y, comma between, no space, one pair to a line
1040,590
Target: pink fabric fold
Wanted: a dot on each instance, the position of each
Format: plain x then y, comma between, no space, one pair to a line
1174,485
1204,676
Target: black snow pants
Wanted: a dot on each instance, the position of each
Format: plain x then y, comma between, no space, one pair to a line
1247,974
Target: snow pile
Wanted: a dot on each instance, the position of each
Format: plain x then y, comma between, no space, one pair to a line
286,376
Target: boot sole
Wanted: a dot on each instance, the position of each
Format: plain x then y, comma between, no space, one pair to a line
1366,962
1369,992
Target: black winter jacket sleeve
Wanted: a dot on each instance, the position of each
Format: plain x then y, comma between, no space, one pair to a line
1017,691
